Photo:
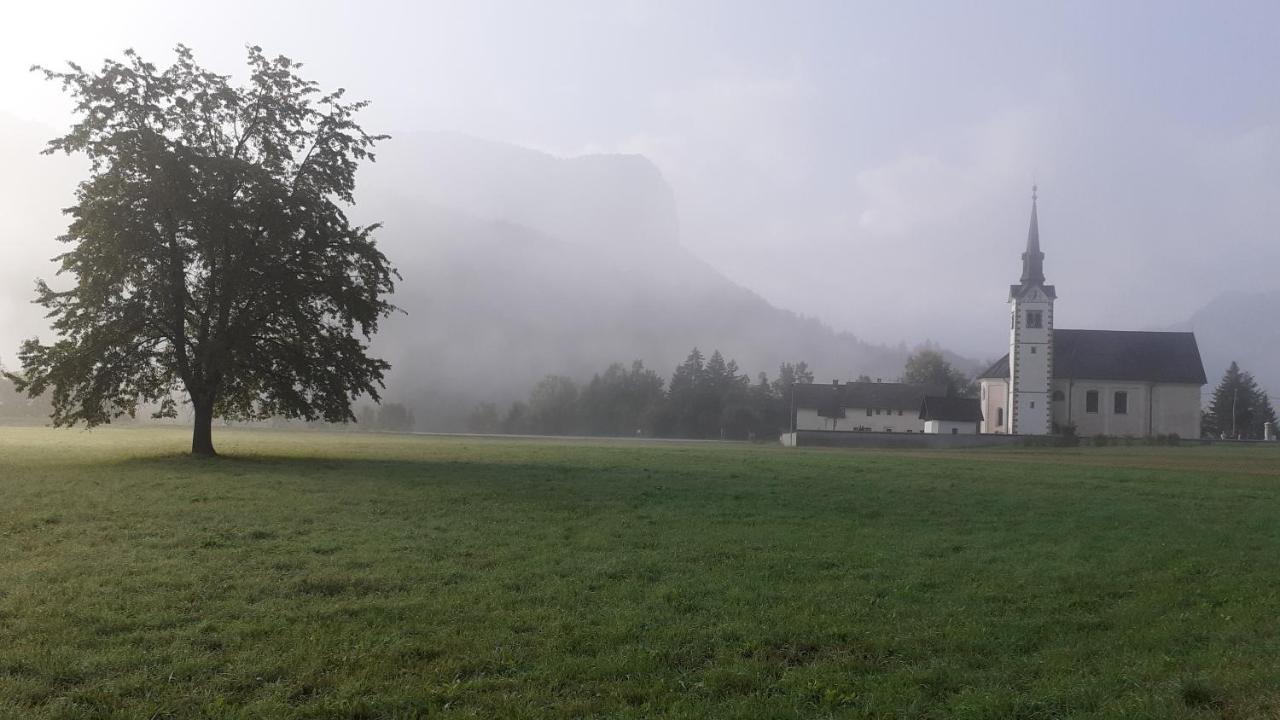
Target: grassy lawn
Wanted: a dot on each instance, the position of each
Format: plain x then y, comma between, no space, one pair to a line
345,576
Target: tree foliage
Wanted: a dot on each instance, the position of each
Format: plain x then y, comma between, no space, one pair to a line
210,253
928,367
706,398
622,401
1240,408
553,406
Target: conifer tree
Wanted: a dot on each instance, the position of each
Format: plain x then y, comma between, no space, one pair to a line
1239,408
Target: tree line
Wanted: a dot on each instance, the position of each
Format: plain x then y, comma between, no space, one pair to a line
706,397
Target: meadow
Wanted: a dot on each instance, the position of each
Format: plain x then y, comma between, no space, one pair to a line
328,575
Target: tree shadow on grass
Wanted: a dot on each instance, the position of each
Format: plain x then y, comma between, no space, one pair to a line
393,471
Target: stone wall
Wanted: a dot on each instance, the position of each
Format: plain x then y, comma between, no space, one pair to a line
827,438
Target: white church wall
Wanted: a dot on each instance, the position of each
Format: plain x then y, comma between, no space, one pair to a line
1158,409
1176,409
994,395
1137,420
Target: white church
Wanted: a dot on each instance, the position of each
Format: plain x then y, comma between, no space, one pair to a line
1099,381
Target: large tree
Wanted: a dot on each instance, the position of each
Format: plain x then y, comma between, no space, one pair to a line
928,367
1239,408
210,253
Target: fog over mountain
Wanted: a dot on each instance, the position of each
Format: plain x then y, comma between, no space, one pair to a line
518,264
758,177
1240,327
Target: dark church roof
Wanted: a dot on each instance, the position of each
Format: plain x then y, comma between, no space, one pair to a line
886,396
1033,259
1167,357
954,409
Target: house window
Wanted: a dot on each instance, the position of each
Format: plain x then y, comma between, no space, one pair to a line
1091,401
955,431
1033,404
877,411
1058,396
868,412
1033,349
1122,403
1035,319
1000,417
899,413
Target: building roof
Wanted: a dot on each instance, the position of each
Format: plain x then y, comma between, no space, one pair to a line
887,396
1033,259
954,409
1167,357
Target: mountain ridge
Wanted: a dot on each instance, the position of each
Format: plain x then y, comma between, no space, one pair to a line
543,277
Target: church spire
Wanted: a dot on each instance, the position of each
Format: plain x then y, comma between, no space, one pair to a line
1033,259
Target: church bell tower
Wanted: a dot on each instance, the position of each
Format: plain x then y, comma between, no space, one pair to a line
1031,342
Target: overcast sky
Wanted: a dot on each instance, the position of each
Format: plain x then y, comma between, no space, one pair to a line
868,164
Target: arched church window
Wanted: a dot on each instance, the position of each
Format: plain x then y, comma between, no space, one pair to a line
1058,396
1035,319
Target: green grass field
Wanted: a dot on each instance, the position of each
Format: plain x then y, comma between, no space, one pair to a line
355,576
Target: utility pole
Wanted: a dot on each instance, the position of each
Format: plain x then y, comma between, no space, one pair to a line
1234,392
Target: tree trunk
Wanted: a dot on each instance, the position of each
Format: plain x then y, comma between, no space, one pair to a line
202,433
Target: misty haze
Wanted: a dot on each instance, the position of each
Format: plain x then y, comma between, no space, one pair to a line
638,359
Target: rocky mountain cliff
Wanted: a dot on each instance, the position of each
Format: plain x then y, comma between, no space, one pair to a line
518,264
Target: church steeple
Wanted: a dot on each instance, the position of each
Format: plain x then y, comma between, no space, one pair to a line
1030,398
1033,259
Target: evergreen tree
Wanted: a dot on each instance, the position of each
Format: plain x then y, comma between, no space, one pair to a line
681,416
622,402
553,406
789,375
767,417
1239,408
723,411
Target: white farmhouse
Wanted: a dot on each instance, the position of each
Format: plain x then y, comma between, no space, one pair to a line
860,407
1099,381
